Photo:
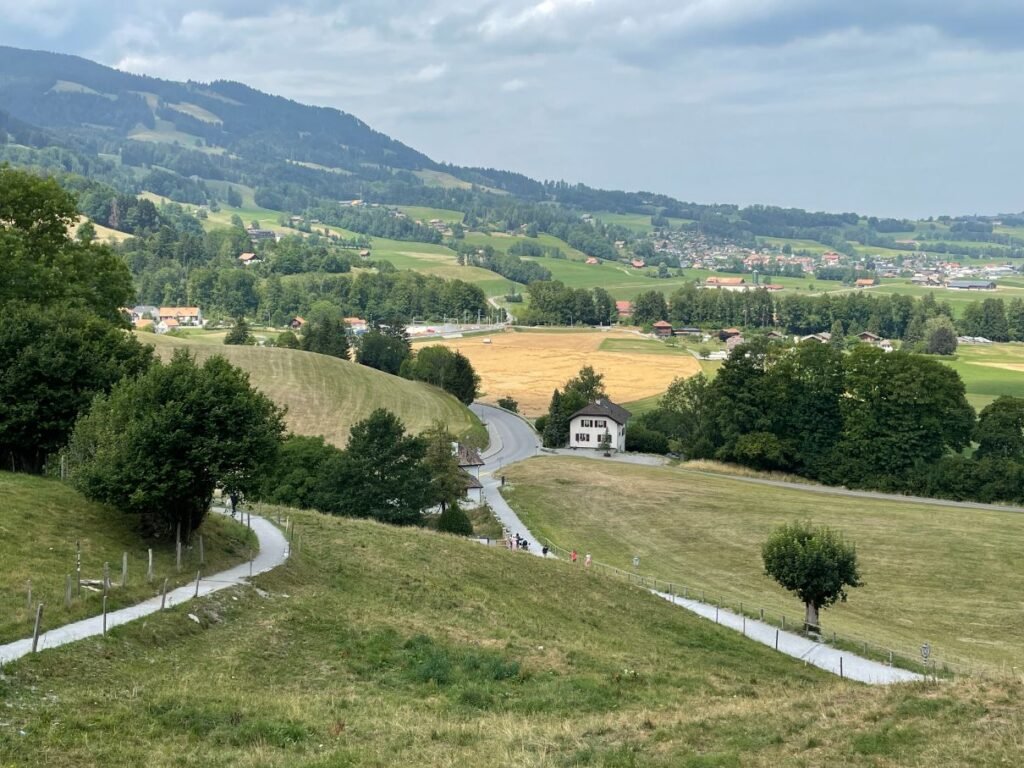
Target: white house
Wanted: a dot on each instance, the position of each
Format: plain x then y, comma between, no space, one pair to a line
589,426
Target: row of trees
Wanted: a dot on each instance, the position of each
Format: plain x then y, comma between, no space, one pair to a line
554,303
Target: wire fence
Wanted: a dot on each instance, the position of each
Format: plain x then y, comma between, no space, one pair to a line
923,660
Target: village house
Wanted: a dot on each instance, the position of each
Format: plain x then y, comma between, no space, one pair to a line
662,329
866,282
260,234
773,287
166,324
733,341
822,338
356,325
599,422
143,314
469,469
727,333
296,323
591,260
191,317
726,283
624,308
637,264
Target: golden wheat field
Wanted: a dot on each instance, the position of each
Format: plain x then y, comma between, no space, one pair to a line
528,365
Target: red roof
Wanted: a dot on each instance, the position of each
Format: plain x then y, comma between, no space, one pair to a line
662,324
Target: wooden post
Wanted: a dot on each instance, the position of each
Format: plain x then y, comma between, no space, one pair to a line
106,578
28,600
783,621
744,624
762,614
177,548
163,596
202,552
840,667
716,614
776,639
124,569
198,575
67,591
250,562
890,658
104,614
149,569
39,623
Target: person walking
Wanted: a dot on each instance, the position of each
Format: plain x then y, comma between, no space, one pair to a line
572,557
544,550
586,561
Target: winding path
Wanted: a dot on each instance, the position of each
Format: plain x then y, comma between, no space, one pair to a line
514,439
273,552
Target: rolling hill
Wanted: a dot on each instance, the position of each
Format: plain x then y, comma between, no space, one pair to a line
384,646
326,396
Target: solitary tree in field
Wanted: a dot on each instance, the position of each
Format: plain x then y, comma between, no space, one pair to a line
815,564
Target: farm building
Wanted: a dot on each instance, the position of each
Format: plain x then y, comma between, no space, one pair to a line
249,258
601,420
971,285
662,329
733,341
726,283
866,282
624,308
187,316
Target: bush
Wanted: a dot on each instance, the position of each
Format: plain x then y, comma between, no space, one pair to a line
641,439
454,520
508,403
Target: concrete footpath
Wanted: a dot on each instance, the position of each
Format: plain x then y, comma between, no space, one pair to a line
274,550
817,654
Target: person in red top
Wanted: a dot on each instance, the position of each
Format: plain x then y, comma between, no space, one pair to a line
573,557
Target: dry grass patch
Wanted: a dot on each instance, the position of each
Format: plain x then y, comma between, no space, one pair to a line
528,365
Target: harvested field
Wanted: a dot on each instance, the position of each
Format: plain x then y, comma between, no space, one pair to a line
528,365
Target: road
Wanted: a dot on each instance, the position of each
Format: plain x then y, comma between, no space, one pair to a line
514,439
273,551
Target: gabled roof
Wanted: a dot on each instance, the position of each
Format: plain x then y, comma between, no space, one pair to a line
604,407
468,456
179,311
470,482
662,324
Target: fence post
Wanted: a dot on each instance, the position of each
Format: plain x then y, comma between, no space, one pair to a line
106,578
840,667
776,639
149,570
124,569
198,575
28,600
744,624
202,552
67,591
762,614
783,621
890,658
177,548
702,596
35,631
163,596
716,614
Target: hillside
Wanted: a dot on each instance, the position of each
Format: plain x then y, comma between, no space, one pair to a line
932,573
325,395
42,520
383,646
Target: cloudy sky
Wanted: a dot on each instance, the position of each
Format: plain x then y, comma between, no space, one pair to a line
890,107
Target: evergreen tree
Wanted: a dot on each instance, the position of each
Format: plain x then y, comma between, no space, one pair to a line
327,336
455,521
447,484
838,335
239,333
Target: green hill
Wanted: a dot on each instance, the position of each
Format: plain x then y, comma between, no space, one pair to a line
379,646
40,522
325,395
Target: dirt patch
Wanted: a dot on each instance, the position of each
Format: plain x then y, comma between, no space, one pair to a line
529,366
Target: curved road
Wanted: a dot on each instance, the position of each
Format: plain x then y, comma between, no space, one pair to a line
273,551
514,439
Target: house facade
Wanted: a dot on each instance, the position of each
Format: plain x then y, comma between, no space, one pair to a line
191,317
600,420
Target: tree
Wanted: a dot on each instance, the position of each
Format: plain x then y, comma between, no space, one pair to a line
158,444
380,474
838,335
288,340
383,351
1000,429
42,264
447,484
239,333
816,564
296,475
325,335
445,368
585,387
52,363
649,307
940,336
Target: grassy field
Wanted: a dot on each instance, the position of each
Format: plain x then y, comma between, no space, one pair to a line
421,213
958,300
529,365
379,646
325,395
989,370
944,575
41,521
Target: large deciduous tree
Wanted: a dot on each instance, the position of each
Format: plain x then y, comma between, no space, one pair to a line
816,564
158,445
450,370
1000,429
52,363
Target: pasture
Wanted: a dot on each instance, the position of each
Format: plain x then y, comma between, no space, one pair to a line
932,573
326,396
989,370
44,518
529,365
380,646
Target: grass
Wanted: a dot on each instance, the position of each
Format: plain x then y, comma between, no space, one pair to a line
932,573
378,646
958,300
41,522
325,395
424,214
989,370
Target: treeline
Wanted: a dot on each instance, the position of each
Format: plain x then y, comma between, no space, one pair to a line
379,222
509,265
554,303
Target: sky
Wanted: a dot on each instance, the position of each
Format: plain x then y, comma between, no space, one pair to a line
884,107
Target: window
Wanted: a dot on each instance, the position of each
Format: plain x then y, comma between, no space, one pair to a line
582,437
586,422
602,424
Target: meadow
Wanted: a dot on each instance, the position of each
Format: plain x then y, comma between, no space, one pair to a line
932,573
377,646
42,521
989,371
529,365
326,396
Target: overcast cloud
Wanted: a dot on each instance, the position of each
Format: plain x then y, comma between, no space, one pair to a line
891,107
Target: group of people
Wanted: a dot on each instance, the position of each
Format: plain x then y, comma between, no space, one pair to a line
574,557
516,542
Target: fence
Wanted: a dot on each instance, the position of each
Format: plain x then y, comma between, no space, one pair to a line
904,658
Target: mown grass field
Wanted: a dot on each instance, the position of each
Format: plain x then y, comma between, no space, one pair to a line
989,371
325,395
424,214
932,573
958,300
378,646
529,365
40,523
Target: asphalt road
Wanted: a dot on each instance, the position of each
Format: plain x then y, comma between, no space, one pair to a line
272,552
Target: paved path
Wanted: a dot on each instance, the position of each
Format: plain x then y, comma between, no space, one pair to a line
273,551
513,439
